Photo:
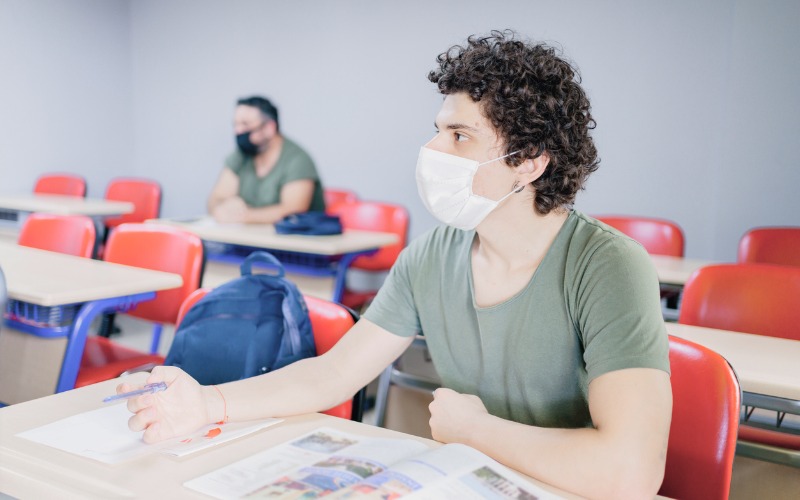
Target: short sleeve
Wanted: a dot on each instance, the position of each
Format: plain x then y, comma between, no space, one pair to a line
619,311
300,166
394,308
235,161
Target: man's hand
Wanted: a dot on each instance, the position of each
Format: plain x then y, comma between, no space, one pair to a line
181,409
453,415
233,209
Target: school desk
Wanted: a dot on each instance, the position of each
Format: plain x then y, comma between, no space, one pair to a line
314,256
12,206
677,270
33,470
53,299
768,369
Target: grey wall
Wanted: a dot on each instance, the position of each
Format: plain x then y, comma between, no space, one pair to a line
695,101
65,91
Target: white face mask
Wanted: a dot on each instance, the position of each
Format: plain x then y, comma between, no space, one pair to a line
444,182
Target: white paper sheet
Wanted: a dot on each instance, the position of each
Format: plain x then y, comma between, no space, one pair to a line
103,435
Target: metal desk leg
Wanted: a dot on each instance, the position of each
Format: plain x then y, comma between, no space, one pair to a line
80,329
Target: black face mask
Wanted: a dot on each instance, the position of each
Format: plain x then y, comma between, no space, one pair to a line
245,145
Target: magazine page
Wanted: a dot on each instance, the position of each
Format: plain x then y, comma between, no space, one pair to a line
103,435
312,465
451,471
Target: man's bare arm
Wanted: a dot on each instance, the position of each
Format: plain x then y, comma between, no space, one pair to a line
226,187
296,197
623,456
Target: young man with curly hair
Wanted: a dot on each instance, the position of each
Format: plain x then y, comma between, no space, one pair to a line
543,324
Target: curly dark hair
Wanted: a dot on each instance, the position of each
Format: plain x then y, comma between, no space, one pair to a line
534,100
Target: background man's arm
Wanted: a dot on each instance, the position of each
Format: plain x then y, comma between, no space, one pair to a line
296,196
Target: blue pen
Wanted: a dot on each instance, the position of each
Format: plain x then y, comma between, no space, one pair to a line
147,389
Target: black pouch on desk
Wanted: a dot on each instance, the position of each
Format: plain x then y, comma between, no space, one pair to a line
309,223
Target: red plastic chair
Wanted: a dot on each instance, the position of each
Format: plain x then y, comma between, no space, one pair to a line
69,234
143,193
335,196
658,236
771,245
329,322
373,216
760,299
150,246
66,184
705,413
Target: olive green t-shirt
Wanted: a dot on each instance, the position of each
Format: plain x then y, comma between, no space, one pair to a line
293,164
591,307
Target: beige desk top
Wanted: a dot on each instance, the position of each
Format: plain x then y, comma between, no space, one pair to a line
32,470
52,279
765,365
675,270
264,236
64,205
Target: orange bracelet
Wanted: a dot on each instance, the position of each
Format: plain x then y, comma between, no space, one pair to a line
224,407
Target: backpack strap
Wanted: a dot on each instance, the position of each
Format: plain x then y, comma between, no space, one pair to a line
290,322
264,258
290,293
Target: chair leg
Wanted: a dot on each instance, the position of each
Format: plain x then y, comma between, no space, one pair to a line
107,327
156,338
358,405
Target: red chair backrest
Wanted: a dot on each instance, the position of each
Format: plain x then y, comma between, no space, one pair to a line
329,322
69,234
761,299
336,196
161,248
66,184
657,236
705,417
771,245
144,194
374,216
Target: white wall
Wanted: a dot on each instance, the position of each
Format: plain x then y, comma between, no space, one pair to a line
65,91
695,101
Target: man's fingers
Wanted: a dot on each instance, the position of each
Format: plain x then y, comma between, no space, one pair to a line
142,419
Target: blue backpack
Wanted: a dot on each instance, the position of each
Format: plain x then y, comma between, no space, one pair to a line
248,326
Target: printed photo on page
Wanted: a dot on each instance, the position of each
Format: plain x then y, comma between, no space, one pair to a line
338,465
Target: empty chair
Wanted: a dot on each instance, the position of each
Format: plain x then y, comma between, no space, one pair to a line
771,245
760,299
658,236
705,415
329,322
335,196
143,193
69,234
66,184
150,246
373,216
146,198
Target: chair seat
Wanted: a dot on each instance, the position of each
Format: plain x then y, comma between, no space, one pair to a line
355,300
103,360
768,437
344,410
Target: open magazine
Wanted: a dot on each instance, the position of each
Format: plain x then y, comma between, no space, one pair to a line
334,464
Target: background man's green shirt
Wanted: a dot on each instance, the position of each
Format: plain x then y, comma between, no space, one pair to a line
293,164
591,307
